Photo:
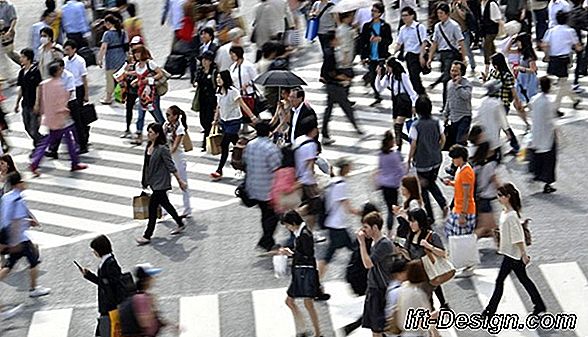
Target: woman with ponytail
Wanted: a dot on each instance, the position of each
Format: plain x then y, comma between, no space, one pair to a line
512,245
113,53
176,129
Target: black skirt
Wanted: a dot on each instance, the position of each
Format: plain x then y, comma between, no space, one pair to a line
374,317
544,165
305,282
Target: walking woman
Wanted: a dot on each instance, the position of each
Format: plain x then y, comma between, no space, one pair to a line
508,94
107,278
52,105
176,129
390,171
421,239
7,166
526,78
242,73
228,114
305,283
514,250
403,95
146,73
410,190
112,54
157,167
206,94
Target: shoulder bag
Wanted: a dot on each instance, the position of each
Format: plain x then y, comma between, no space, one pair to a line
426,69
456,53
161,84
439,269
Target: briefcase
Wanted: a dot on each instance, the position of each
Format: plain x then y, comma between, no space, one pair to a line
88,114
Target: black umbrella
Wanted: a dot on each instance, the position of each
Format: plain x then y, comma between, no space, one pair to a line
279,78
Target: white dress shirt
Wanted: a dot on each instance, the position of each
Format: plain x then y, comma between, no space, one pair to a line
248,74
295,121
77,67
408,37
396,87
561,40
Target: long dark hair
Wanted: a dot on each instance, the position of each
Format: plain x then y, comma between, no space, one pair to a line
157,128
387,142
8,160
225,75
420,216
397,68
514,196
412,185
179,112
527,47
499,62
113,20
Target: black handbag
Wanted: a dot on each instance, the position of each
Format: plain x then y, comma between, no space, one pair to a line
450,135
402,101
88,114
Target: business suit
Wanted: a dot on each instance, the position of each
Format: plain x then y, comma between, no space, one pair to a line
305,111
157,170
110,292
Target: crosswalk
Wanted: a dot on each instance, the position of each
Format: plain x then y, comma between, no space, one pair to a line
201,315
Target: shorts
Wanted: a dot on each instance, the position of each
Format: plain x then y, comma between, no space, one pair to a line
452,226
484,205
338,238
374,316
24,249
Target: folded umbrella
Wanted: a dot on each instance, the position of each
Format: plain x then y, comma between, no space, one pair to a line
279,78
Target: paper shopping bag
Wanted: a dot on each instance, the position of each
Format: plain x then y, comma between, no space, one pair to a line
187,142
115,329
141,207
463,251
213,141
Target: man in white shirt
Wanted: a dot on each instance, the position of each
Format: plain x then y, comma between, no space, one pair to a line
413,38
305,155
558,43
76,65
490,115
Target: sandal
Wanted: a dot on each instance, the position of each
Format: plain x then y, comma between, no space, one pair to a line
178,230
216,176
142,241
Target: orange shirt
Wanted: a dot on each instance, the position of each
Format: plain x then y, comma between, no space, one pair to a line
464,175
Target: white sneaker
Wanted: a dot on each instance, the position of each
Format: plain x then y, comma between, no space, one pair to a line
39,291
8,314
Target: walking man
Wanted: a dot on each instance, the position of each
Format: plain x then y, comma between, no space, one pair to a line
448,41
76,65
29,79
412,37
74,22
262,158
375,39
459,103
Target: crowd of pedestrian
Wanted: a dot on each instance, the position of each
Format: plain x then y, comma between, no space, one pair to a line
281,155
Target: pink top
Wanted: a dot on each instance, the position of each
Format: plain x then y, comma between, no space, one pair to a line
284,181
143,305
53,104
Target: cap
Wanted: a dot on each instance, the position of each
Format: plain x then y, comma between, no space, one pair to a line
136,40
343,161
147,269
235,33
492,86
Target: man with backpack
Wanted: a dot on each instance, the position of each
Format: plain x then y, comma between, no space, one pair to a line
305,155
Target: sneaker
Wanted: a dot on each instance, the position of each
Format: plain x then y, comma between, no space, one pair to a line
126,134
327,141
142,241
39,291
577,89
79,167
8,314
52,155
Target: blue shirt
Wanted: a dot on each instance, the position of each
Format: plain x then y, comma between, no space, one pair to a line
15,210
73,17
376,32
35,42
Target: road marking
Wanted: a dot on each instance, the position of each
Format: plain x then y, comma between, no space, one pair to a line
570,287
51,323
511,303
199,316
272,316
344,308
84,225
79,203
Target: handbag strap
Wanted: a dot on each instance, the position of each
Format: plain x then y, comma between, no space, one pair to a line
446,39
329,4
419,35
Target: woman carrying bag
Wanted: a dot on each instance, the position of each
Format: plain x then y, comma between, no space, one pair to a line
228,114
157,167
205,100
305,282
176,129
113,53
423,239
512,246
410,190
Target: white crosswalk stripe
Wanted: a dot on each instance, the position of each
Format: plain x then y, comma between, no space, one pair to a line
200,316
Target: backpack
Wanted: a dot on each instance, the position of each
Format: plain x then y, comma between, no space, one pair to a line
128,320
324,210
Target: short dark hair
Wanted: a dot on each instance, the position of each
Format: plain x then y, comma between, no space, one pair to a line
263,129
28,53
54,67
158,128
308,124
410,11
330,36
368,208
207,30
462,67
47,31
292,218
14,178
393,263
70,43
132,9
268,48
458,151
237,50
374,219
423,107
562,17
545,84
415,271
379,6
299,92
101,244
443,7
225,76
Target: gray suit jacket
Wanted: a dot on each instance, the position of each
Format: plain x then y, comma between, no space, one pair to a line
157,169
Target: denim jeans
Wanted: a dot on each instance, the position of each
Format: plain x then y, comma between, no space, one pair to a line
462,130
541,21
467,40
157,115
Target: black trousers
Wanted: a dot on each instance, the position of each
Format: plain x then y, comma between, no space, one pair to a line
391,199
78,38
340,95
206,115
159,198
269,222
414,72
509,264
428,182
544,165
130,106
228,138
371,77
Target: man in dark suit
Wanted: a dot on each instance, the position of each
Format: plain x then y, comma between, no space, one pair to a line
375,39
300,111
206,44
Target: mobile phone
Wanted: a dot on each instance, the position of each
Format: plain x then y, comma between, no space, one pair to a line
77,264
